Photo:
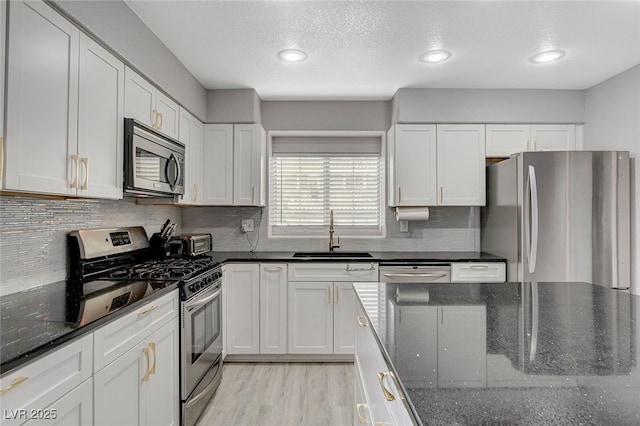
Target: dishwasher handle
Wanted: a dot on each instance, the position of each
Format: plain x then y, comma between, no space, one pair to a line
415,274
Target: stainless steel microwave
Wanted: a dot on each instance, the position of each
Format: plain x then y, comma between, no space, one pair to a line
153,163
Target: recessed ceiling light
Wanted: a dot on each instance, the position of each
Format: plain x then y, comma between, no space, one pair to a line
435,56
547,56
292,55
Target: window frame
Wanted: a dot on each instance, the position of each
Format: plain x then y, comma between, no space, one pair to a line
338,134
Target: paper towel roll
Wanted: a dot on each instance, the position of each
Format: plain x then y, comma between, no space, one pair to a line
412,213
419,295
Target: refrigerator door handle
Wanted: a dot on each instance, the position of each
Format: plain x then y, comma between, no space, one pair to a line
532,219
534,321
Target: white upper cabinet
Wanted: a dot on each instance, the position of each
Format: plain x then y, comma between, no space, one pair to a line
461,165
76,147
439,165
148,105
100,121
412,177
217,173
3,19
191,134
235,159
506,139
41,158
249,156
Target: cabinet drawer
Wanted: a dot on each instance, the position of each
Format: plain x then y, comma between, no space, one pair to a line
37,385
356,271
478,272
117,337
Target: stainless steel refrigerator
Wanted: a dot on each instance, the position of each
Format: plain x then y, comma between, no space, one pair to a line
560,216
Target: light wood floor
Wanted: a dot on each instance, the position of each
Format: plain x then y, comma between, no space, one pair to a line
282,394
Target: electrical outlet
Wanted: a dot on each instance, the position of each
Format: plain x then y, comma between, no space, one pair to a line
247,225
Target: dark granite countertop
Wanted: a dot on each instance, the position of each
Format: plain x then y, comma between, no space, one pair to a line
376,256
34,321
532,353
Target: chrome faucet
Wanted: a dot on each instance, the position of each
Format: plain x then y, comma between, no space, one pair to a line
332,244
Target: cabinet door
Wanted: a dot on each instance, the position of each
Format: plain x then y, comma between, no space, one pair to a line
100,122
461,165
344,318
506,139
195,157
248,164
553,137
462,346
310,318
139,99
40,383
119,389
162,389
3,19
42,89
168,116
242,285
191,136
273,308
217,172
415,165
73,409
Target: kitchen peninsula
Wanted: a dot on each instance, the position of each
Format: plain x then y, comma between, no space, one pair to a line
532,353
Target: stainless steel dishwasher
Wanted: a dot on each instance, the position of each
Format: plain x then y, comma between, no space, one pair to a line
415,273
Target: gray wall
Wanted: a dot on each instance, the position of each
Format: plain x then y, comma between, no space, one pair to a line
233,106
33,245
612,110
326,115
487,106
115,24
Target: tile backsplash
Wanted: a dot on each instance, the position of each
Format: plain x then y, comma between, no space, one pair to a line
448,229
33,245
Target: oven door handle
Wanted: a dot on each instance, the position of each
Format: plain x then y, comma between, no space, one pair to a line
199,396
200,302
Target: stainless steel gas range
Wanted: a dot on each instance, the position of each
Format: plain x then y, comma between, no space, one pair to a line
112,268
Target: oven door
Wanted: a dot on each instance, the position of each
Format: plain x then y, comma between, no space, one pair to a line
156,163
201,337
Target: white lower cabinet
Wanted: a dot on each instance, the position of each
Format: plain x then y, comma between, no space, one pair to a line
140,386
322,306
73,409
242,322
273,308
383,400
310,318
27,393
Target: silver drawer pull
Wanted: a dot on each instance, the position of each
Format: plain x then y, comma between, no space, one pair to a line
479,266
415,275
352,269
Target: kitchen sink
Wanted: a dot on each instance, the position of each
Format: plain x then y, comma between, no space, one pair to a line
331,254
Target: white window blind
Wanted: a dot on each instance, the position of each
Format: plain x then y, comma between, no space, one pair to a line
306,184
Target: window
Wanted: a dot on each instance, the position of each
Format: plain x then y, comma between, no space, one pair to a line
310,176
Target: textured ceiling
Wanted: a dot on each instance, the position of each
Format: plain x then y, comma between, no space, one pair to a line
369,49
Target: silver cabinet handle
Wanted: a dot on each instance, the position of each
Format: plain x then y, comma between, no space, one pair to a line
535,145
528,145
329,295
195,192
441,194
399,195
352,269
479,266
387,395
146,311
16,382
272,268
362,321
253,194
161,121
154,124
85,162
391,275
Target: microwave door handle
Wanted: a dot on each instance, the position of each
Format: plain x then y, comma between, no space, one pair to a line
172,170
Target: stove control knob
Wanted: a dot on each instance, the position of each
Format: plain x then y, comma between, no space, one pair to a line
192,288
